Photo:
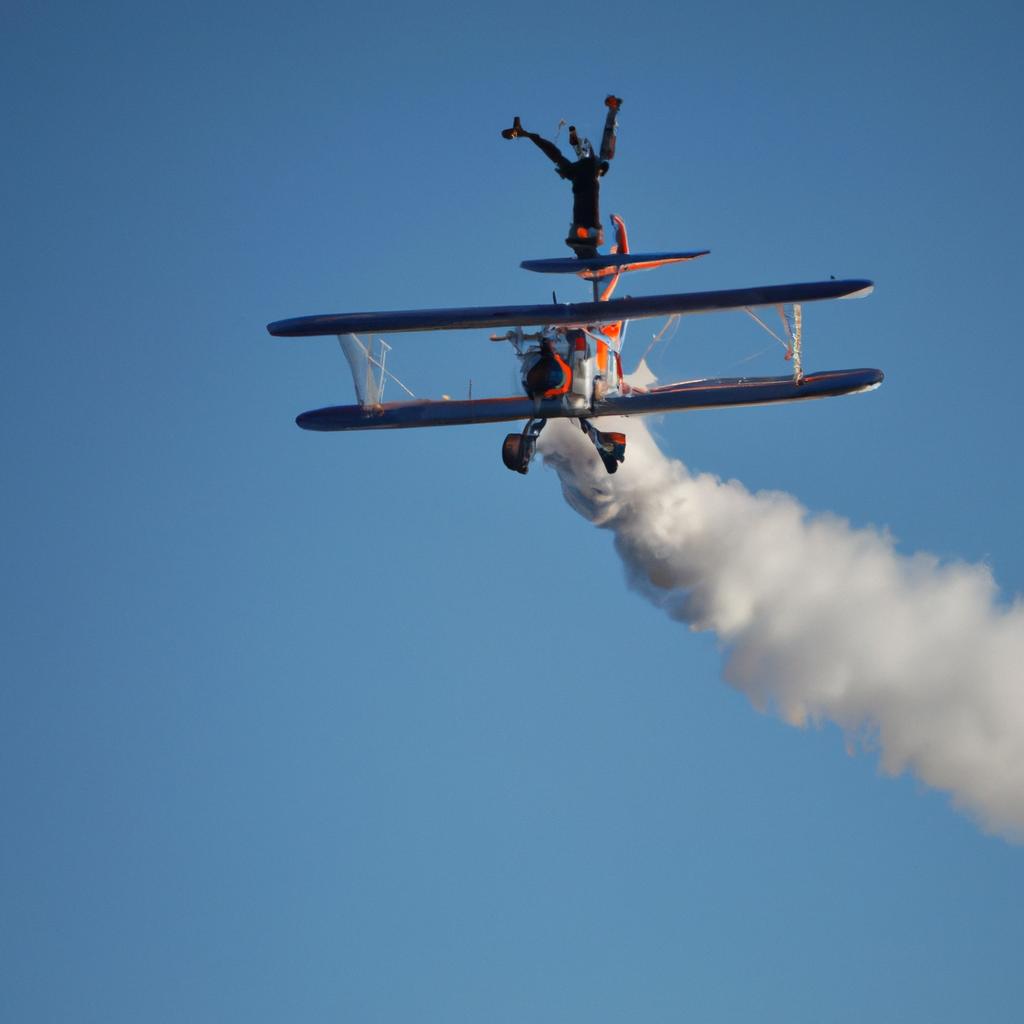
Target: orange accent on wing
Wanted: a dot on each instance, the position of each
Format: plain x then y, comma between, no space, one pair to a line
621,245
602,356
622,241
609,288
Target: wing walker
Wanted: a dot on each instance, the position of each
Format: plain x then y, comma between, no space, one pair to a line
570,353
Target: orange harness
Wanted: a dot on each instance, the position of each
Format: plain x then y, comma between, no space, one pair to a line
563,388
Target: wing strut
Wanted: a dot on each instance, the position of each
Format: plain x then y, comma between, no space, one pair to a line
792,324
795,329
369,372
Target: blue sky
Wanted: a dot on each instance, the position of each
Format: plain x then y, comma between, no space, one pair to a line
366,727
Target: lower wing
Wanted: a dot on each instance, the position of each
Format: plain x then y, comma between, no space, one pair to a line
713,393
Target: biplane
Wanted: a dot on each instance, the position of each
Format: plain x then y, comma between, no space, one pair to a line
570,356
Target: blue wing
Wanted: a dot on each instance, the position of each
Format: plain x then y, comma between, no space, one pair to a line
568,313
698,394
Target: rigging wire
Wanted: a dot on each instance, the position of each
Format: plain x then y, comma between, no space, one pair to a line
385,373
672,323
786,345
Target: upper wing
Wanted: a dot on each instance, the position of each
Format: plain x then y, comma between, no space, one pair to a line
694,394
580,314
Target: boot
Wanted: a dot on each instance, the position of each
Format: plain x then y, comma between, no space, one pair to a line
515,131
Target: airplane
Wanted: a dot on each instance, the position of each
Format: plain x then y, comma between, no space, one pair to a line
571,365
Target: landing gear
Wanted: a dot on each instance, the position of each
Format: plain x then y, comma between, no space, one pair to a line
518,449
610,445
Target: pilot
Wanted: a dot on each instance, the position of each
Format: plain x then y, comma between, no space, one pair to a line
585,232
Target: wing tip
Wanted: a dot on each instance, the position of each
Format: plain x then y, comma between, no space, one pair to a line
292,328
861,289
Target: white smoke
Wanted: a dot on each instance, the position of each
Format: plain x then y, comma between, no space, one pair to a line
819,620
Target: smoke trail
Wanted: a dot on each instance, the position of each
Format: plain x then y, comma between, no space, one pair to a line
822,621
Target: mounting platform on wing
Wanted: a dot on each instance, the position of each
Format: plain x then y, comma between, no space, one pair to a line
614,263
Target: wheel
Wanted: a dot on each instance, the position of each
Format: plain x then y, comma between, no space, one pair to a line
517,451
612,449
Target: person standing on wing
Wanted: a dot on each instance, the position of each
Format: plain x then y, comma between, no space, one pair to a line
585,232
